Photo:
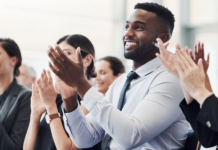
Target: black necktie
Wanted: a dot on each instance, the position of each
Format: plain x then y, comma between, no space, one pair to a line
132,75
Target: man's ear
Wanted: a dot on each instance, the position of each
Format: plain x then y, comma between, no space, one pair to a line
87,60
14,60
164,37
119,74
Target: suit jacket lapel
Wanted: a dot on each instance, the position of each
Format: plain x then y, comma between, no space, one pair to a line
9,101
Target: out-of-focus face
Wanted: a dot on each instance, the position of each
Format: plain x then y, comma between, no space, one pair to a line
105,76
6,63
24,78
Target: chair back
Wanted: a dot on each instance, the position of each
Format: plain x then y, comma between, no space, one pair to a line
191,141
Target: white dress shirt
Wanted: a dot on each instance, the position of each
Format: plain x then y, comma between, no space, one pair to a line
150,119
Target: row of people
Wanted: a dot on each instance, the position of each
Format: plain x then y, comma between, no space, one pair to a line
15,99
139,110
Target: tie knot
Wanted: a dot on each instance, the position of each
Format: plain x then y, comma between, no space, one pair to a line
132,75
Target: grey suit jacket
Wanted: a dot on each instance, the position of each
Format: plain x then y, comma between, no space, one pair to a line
14,117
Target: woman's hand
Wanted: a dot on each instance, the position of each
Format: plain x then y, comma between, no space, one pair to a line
63,89
199,54
46,90
37,107
192,76
167,58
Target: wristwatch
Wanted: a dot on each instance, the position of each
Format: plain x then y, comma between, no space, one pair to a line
48,118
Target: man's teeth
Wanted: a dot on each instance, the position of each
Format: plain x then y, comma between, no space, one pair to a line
130,43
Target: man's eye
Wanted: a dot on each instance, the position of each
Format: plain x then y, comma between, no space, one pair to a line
68,53
126,27
138,27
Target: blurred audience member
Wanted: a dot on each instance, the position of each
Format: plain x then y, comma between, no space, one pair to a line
200,104
40,135
108,69
27,76
14,98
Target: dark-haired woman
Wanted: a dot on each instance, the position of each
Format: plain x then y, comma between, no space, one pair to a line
52,136
14,98
108,69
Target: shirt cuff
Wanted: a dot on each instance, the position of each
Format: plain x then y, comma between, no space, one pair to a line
71,119
91,97
72,116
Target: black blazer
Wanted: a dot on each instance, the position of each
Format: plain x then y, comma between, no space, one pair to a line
14,117
203,121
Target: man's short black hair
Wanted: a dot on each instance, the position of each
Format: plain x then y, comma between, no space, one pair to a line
165,15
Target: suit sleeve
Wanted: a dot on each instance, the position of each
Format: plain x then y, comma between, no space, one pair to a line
14,140
209,113
205,135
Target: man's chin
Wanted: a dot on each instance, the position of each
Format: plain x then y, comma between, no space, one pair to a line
129,55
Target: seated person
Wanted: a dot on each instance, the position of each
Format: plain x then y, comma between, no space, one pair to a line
108,69
40,135
200,104
27,76
14,98
140,110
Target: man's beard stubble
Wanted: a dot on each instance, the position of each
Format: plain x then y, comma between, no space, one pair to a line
144,52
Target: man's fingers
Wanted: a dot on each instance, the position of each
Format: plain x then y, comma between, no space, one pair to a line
208,58
54,70
196,52
79,56
62,56
51,52
202,50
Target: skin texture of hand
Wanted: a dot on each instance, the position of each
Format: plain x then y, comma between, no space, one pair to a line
37,107
63,89
46,90
167,58
192,76
199,54
70,72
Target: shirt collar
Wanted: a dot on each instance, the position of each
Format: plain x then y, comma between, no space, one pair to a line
148,67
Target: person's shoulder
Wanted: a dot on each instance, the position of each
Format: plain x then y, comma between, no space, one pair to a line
121,78
163,75
24,90
21,92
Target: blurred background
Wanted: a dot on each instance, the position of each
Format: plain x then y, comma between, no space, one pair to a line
36,24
